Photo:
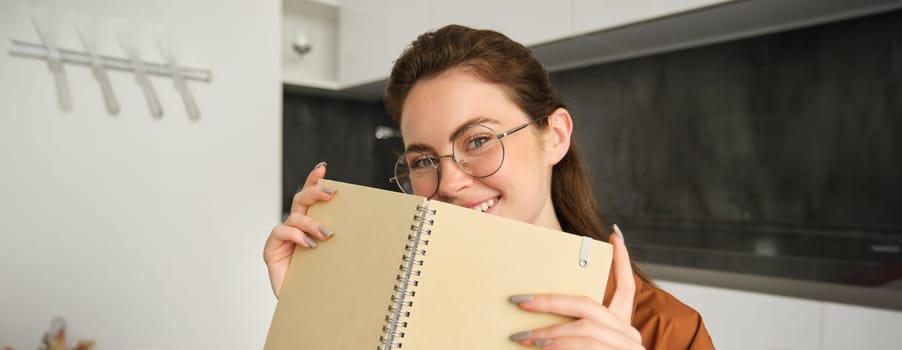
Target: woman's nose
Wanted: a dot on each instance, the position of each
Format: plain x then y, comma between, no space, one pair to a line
452,179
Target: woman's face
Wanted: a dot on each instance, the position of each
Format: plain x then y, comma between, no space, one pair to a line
436,108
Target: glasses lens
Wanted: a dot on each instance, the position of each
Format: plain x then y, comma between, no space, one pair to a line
478,151
416,173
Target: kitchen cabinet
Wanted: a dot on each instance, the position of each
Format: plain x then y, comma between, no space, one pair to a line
309,43
594,15
363,43
746,320
372,35
858,327
529,21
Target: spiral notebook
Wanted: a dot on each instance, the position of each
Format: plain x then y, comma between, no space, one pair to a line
404,272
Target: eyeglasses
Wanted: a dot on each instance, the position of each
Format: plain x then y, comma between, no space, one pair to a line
477,150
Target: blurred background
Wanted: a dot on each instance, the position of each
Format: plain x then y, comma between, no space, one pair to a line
747,148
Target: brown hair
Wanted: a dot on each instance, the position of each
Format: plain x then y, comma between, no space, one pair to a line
495,58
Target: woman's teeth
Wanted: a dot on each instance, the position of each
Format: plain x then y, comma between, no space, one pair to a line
484,206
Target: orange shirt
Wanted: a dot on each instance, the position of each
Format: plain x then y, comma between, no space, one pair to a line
664,321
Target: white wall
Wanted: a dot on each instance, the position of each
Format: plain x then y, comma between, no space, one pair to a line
142,233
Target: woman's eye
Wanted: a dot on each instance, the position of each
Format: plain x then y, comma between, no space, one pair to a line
477,142
421,163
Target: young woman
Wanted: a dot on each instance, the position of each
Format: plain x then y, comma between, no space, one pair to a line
483,128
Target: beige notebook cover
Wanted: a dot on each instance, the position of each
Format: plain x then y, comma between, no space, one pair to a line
365,288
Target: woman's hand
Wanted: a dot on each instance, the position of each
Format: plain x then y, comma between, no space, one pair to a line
298,230
596,326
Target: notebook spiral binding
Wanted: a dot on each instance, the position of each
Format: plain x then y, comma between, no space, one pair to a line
403,291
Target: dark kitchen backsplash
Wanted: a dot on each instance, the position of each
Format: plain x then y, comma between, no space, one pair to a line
775,155
339,132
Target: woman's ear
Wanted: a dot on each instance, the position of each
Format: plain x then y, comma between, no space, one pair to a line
557,137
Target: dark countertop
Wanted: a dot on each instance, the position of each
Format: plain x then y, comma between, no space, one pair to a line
845,264
846,255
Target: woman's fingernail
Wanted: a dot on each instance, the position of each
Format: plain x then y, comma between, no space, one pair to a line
329,190
521,298
319,165
541,342
619,233
326,232
520,336
309,242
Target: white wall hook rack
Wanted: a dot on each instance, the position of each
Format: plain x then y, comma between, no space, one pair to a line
31,50
56,57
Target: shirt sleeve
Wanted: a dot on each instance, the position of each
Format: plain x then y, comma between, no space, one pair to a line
667,323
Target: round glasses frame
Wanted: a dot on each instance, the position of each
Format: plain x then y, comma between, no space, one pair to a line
402,169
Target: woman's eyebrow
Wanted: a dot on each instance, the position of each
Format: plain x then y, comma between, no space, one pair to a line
472,121
417,147
422,147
